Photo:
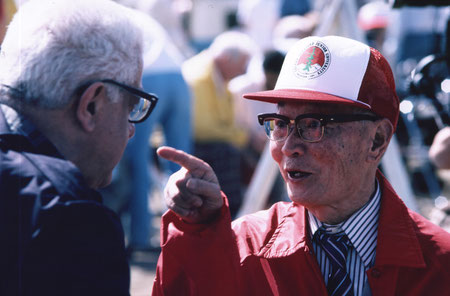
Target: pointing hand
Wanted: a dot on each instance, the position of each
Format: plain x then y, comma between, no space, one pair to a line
194,191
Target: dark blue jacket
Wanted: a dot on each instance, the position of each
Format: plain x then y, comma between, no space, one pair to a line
56,237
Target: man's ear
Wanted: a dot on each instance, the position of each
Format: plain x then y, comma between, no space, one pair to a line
380,139
89,105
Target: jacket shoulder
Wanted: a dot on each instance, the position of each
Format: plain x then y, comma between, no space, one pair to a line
18,175
431,236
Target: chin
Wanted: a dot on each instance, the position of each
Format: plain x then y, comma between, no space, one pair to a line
299,197
101,183
106,181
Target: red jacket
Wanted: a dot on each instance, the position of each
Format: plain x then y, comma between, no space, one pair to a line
270,253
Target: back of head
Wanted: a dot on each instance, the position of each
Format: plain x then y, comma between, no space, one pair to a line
295,26
232,44
231,52
374,15
290,29
52,47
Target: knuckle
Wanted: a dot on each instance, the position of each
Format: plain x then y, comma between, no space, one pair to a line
170,204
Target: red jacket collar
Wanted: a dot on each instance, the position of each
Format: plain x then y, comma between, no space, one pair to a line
291,233
397,242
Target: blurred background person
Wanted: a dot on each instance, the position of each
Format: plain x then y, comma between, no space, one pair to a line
218,139
440,149
2,19
373,19
291,28
7,10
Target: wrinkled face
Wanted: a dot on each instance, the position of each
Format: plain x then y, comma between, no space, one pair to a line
328,173
114,133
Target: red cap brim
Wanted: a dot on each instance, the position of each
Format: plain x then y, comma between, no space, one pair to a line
297,95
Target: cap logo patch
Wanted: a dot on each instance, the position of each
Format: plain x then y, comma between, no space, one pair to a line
313,61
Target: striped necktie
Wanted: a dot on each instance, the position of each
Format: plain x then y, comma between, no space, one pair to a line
336,248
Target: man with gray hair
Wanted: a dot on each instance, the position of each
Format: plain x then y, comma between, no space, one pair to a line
69,97
217,138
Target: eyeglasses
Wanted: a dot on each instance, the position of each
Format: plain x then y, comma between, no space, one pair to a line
310,127
143,108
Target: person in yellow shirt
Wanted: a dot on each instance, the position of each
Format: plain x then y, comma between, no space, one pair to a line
7,9
218,139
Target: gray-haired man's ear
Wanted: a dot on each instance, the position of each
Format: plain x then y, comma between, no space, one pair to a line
380,140
90,102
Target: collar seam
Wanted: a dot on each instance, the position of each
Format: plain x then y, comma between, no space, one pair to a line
267,252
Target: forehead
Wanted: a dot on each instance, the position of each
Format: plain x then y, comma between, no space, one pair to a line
298,108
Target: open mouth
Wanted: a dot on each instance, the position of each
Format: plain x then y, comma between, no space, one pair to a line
297,175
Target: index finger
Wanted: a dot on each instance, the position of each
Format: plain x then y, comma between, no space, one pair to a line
188,161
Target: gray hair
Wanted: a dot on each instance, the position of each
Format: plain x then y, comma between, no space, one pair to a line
233,44
52,47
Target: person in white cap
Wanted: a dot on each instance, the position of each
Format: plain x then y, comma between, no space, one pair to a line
346,232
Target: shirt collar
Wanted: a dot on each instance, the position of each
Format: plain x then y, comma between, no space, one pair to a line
20,125
356,227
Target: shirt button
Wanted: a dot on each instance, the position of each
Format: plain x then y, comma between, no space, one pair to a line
376,273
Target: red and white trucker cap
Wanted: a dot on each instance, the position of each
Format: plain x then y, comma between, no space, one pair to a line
336,70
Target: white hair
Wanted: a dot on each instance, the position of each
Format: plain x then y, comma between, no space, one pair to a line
52,47
233,44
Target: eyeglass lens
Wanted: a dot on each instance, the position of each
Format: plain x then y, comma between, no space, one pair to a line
310,129
140,110
145,101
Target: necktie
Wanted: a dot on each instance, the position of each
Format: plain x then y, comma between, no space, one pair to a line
336,247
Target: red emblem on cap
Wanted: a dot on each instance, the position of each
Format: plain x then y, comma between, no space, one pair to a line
313,61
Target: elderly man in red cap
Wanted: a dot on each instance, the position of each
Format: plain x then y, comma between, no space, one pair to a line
346,232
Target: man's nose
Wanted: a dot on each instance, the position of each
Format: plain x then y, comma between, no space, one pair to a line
293,144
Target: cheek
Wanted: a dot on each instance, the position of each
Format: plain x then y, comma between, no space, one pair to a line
344,162
275,150
119,136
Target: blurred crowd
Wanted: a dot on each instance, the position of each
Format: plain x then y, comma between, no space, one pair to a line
202,55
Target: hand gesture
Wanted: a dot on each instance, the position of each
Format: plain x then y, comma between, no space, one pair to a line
194,191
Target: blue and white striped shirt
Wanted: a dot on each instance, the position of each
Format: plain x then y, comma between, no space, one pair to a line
362,230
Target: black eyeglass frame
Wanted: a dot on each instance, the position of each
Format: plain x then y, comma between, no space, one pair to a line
324,119
137,92
152,98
